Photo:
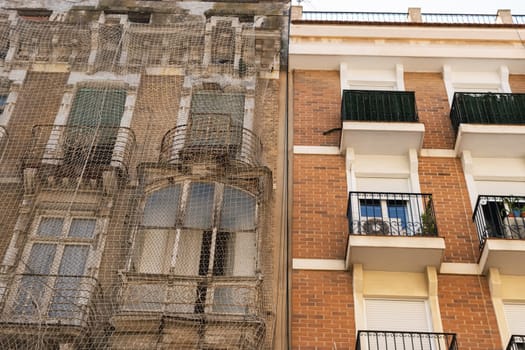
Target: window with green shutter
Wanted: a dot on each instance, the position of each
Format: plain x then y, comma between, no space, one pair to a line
93,125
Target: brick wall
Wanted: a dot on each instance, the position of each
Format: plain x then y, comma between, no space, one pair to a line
156,112
323,310
433,108
37,103
466,309
517,83
317,107
319,214
443,177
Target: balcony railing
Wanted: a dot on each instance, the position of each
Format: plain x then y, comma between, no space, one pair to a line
80,150
389,17
391,214
516,342
190,295
394,340
211,143
378,106
499,217
38,300
487,108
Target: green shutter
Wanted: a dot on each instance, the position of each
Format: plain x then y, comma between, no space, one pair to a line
93,107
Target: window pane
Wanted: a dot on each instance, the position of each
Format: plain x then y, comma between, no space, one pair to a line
155,250
50,227
40,258
238,210
398,210
200,206
70,284
370,208
234,254
161,207
188,254
82,228
32,287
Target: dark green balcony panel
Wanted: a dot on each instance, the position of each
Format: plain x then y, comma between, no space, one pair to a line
487,108
378,106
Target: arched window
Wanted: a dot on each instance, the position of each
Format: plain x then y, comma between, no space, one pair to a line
198,229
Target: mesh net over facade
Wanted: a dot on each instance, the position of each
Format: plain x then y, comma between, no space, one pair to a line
136,180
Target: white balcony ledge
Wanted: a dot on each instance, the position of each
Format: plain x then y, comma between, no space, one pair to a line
388,253
381,138
508,255
491,140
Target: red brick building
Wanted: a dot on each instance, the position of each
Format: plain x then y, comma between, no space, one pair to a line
408,181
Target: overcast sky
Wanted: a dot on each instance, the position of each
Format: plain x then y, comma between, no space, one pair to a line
427,6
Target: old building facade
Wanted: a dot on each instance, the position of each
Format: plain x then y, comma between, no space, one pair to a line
408,180
141,175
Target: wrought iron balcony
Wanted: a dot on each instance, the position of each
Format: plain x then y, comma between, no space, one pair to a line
391,214
80,151
379,106
499,217
487,108
190,295
35,300
516,342
211,142
386,340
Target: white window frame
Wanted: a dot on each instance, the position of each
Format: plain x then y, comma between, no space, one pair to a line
60,241
168,263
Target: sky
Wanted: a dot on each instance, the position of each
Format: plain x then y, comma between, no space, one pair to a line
427,6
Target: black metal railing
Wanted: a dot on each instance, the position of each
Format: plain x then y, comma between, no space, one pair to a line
190,295
403,18
391,214
189,143
516,342
80,150
499,217
379,106
386,340
487,108
50,299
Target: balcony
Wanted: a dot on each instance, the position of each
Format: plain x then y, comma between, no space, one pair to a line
489,124
500,222
192,307
57,304
516,342
386,340
80,151
380,122
393,231
211,142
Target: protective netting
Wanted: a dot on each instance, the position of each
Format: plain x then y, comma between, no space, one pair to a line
136,195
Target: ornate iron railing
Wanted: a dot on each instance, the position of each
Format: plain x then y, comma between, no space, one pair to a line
499,217
487,108
387,340
190,295
378,106
207,142
391,214
516,342
80,150
36,299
